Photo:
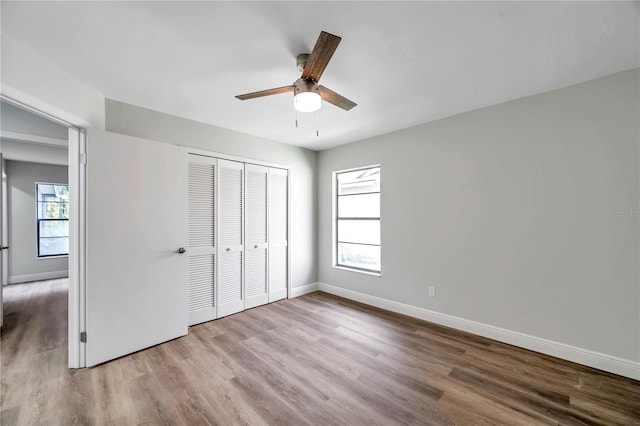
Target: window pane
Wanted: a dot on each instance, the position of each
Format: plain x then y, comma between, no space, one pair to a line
62,191
53,201
53,246
54,228
359,181
359,256
363,205
53,209
45,190
359,231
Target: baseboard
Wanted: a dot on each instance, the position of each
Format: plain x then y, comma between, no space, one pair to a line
41,276
609,363
299,291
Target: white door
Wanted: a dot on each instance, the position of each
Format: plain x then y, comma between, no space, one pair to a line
255,272
278,234
136,292
230,180
201,250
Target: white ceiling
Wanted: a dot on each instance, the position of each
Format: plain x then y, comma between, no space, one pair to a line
403,63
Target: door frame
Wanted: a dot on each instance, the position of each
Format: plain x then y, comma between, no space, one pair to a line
5,229
77,219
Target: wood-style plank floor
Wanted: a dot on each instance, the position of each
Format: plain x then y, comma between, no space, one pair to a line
314,360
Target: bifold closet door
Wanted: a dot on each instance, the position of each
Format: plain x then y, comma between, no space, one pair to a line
230,249
201,248
278,234
256,255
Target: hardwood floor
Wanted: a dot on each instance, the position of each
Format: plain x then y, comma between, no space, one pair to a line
316,360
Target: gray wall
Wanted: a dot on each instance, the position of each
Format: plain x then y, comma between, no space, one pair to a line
26,146
17,120
34,153
144,123
24,264
524,215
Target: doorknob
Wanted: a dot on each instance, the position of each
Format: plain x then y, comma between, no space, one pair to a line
4,248
182,250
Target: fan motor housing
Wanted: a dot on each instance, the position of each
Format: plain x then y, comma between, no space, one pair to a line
301,85
301,61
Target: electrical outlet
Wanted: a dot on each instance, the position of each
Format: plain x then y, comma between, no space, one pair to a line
432,291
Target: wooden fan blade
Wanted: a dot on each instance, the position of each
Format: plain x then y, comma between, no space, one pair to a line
320,56
268,92
337,99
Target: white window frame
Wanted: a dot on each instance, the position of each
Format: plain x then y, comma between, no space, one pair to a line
335,240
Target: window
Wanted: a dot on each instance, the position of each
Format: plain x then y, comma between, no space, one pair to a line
358,219
52,214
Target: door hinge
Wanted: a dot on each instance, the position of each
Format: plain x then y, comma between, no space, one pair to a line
83,158
83,336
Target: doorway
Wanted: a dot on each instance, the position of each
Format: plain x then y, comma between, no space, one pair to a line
38,147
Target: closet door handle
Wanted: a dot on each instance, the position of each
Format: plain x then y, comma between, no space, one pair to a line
181,250
4,248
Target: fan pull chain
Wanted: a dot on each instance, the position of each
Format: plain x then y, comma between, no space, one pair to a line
296,118
317,125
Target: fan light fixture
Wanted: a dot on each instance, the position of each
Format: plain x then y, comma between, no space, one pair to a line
306,96
307,101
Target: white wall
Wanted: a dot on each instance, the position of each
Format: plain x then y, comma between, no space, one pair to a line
524,215
144,123
29,79
24,264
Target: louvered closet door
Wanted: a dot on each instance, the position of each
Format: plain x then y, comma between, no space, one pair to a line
278,234
255,272
201,250
230,237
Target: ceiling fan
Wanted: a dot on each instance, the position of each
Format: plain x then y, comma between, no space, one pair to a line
307,93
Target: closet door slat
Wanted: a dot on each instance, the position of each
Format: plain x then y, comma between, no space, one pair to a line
201,174
256,250
230,237
278,234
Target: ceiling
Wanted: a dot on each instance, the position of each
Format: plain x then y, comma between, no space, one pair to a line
404,63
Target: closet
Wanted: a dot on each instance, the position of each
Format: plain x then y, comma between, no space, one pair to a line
237,236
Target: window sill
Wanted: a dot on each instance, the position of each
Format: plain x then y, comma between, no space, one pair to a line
375,274
51,257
